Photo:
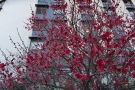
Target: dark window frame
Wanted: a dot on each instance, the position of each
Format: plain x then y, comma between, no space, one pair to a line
41,10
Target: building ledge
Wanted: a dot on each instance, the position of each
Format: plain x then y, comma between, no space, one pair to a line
35,38
42,5
130,6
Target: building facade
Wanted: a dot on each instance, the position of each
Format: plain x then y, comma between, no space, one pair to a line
14,13
44,6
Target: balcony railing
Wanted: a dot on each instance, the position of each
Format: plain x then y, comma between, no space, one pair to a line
84,4
129,6
58,12
59,18
106,4
56,3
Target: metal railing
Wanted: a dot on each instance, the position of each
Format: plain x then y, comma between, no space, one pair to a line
129,5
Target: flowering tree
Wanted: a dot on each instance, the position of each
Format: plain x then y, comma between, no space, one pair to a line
86,48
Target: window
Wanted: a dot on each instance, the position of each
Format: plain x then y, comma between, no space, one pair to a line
130,7
41,10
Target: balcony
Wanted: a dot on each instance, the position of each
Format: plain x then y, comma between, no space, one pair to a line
84,4
56,3
36,44
58,18
129,6
38,33
106,4
42,1
58,12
